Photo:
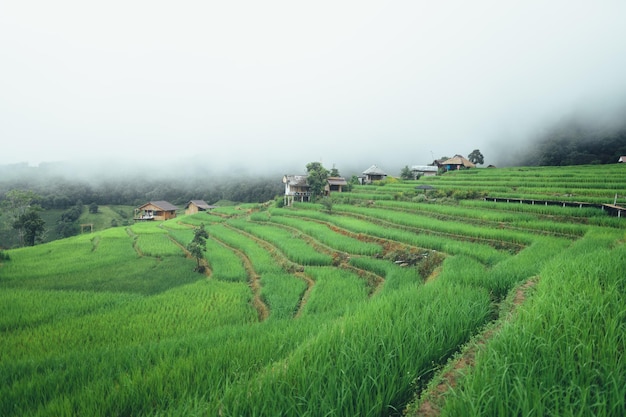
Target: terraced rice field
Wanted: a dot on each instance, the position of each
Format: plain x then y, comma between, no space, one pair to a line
361,310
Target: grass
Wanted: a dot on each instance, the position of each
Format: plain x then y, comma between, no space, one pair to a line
116,322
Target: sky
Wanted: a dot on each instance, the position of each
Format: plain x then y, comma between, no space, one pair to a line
283,83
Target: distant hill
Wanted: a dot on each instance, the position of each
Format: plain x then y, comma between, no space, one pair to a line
576,141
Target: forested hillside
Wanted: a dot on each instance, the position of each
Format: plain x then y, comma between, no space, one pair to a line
576,141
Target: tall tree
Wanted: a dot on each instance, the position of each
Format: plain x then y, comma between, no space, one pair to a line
406,173
197,246
317,178
15,205
30,226
476,157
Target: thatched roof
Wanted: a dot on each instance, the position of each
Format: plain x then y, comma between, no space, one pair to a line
459,160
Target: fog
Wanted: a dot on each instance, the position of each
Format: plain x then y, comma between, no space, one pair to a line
270,86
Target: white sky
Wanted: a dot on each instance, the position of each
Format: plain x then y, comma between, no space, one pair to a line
290,82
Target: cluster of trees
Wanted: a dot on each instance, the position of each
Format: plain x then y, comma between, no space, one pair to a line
68,223
63,193
22,214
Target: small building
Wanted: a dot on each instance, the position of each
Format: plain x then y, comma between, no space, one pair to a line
457,162
371,174
296,189
197,206
621,159
335,184
156,210
424,170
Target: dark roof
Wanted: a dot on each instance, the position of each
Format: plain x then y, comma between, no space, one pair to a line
337,181
200,203
164,205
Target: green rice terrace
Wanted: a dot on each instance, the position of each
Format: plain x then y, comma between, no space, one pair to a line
390,301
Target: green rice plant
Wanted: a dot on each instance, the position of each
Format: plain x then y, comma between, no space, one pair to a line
369,363
482,252
224,263
291,244
282,293
396,277
562,354
501,278
324,234
427,223
335,290
157,245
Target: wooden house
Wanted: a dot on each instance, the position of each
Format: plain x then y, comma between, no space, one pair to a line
197,206
457,162
371,174
296,189
156,210
335,184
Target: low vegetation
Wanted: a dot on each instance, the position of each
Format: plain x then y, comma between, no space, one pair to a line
351,311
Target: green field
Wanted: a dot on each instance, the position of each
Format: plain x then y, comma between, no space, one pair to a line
356,312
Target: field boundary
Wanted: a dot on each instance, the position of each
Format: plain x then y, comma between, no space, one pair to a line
433,398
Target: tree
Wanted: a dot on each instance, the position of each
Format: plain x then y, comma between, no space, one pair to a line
476,157
93,208
334,172
406,173
317,178
197,246
16,206
30,226
328,205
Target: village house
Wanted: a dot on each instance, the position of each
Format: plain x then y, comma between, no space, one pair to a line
156,210
197,206
621,159
297,188
457,162
335,184
372,174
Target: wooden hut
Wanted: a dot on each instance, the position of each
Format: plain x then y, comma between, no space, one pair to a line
156,210
197,206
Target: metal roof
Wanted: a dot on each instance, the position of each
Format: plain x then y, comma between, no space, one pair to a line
374,170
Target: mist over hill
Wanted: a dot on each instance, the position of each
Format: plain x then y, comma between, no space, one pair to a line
580,138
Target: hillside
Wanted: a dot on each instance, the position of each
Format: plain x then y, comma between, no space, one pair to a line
359,307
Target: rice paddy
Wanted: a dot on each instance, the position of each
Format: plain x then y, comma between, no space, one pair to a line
354,312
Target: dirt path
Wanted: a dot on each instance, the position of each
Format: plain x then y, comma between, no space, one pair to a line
254,281
305,296
434,398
